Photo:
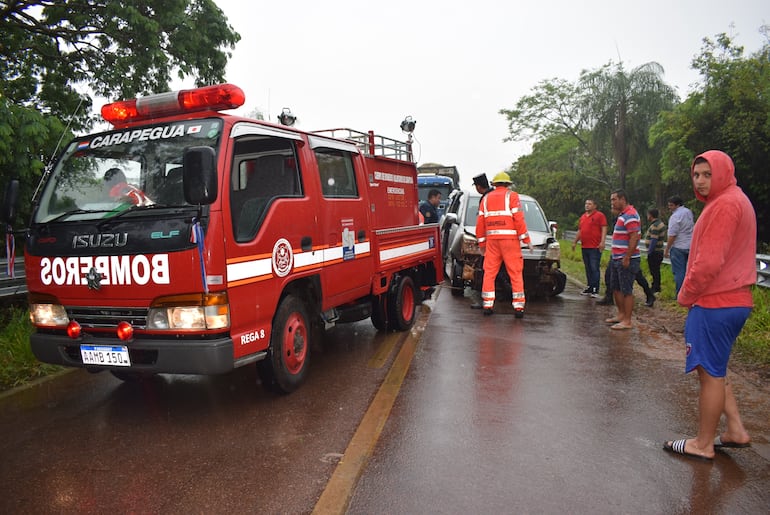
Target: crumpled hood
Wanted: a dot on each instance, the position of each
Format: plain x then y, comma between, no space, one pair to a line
722,173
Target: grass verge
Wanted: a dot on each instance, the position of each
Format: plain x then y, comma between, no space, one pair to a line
17,363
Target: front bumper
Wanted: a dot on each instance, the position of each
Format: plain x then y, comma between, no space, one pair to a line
188,356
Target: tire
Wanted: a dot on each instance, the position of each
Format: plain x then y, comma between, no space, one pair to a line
285,367
561,282
380,313
458,284
129,376
403,305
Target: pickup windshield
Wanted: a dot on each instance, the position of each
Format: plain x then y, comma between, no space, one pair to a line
105,174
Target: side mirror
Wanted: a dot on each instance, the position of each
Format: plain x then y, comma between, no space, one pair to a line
554,226
450,218
10,202
199,175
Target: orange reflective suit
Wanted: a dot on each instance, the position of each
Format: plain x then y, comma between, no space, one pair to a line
500,230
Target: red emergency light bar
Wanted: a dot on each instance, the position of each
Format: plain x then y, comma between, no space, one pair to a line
209,98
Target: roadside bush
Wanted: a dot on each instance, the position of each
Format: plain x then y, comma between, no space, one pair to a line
17,363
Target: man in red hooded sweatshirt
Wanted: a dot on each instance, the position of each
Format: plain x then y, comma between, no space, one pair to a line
717,290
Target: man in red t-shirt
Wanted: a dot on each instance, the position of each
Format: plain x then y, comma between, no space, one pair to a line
592,232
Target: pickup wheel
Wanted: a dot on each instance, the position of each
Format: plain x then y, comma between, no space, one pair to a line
402,305
560,283
380,312
458,284
285,366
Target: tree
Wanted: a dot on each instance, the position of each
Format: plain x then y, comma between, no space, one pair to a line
729,111
55,54
622,107
607,111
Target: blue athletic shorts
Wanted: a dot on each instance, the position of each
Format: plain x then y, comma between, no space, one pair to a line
622,279
709,334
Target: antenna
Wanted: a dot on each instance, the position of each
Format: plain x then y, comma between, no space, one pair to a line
47,169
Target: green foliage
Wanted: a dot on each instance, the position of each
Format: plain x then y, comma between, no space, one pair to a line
53,50
753,344
17,363
622,106
730,112
604,116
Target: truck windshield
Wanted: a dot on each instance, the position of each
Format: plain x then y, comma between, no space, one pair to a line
102,175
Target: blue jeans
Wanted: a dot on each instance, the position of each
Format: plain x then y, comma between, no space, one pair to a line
678,265
591,260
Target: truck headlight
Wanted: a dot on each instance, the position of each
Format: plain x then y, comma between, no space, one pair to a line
48,315
192,312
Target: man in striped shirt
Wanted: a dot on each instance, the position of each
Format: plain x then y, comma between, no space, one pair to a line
626,259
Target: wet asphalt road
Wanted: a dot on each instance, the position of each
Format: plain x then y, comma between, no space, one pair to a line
554,413
86,443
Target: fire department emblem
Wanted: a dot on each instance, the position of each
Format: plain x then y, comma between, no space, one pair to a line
283,258
94,279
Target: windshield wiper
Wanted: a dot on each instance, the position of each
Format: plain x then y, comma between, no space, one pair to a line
134,209
77,212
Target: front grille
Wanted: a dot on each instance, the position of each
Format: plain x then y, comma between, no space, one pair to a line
107,318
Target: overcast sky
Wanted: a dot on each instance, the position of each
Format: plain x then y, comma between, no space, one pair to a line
453,65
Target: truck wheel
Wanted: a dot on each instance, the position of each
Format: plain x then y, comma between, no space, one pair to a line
403,305
285,366
458,284
380,313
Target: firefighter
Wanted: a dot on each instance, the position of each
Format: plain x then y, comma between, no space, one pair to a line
500,229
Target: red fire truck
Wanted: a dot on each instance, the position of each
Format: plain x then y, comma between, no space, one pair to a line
187,240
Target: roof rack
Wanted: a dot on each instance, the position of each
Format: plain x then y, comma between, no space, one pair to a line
372,144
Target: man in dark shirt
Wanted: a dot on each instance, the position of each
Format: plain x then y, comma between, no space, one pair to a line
428,207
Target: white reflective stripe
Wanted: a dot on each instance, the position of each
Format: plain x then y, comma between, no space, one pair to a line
498,213
263,268
524,236
336,253
486,295
507,232
247,269
405,250
482,239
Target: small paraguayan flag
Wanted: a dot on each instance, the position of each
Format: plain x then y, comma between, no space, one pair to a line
193,129
10,250
83,145
197,238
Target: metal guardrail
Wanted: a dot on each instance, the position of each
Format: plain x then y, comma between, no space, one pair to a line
16,286
763,260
